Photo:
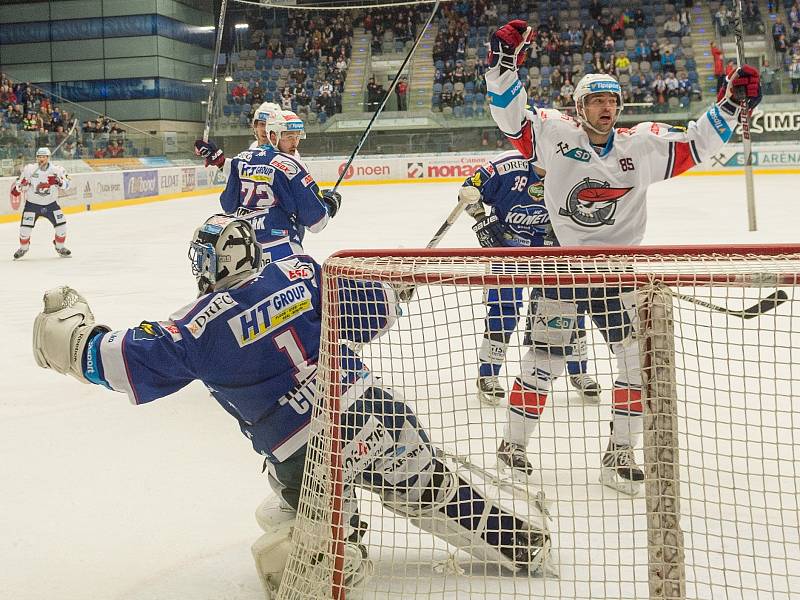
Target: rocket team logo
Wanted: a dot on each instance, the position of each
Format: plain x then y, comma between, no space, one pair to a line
592,203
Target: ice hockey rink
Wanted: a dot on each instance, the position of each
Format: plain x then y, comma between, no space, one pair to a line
100,499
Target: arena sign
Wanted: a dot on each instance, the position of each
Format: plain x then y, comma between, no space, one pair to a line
769,122
778,156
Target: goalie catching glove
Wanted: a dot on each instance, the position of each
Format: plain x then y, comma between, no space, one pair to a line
744,84
509,44
208,150
62,331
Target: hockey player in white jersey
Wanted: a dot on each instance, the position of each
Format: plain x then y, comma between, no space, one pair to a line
42,181
259,362
595,192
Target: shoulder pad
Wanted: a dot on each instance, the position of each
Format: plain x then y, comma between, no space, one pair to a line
296,267
210,307
286,164
246,155
512,161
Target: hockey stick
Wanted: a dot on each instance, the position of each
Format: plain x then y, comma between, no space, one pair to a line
69,133
407,293
764,305
214,68
744,121
343,170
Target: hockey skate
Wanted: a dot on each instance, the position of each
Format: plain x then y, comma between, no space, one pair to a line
490,391
63,252
21,251
588,388
512,456
620,471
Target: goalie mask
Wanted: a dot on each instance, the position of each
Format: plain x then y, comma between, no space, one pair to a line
224,252
596,83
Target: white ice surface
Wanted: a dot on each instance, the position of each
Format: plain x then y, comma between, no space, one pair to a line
100,499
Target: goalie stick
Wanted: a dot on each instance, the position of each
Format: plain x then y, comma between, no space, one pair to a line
764,305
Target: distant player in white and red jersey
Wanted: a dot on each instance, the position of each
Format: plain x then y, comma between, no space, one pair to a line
42,180
595,192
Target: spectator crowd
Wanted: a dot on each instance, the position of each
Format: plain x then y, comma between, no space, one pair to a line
30,119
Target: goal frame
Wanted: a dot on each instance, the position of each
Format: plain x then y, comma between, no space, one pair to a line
656,339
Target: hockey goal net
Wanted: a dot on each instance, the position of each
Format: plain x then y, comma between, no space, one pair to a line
716,334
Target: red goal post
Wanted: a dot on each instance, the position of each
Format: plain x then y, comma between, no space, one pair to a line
706,338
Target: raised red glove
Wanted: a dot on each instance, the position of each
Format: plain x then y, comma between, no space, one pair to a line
743,84
16,197
508,44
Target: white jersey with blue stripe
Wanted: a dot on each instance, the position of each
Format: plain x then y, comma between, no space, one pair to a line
597,197
510,186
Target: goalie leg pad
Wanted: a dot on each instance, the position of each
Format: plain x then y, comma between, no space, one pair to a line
458,514
271,553
271,550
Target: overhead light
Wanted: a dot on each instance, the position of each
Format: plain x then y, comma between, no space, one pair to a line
242,26
228,78
203,101
206,28
206,80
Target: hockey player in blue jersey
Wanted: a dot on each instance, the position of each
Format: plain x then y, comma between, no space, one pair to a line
510,185
252,337
269,186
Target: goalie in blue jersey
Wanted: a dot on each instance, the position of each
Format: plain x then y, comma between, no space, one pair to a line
513,190
253,338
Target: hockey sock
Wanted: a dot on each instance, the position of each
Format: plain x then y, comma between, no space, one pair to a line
525,405
60,236
626,415
577,367
491,355
25,235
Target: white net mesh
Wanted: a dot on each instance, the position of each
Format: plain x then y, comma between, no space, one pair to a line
717,515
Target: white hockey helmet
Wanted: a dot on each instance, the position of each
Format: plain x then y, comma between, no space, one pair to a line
43,151
223,252
595,83
286,121
266,111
